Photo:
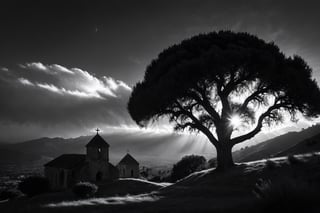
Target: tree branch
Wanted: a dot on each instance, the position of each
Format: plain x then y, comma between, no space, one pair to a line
258,127
234,82
254,96
205,103
226,108
198,125
185,125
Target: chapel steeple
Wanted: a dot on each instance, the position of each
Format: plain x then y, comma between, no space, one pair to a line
97,149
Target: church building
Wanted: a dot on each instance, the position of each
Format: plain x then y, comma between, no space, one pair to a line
94,166
128,167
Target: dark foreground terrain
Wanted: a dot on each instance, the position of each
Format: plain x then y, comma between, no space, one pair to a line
288,184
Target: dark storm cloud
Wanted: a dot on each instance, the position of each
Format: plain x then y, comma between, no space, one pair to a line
66,99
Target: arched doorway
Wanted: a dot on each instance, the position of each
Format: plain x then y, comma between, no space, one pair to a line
99,176
131,172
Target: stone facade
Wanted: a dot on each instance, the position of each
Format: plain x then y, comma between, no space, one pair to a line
94,166
128,167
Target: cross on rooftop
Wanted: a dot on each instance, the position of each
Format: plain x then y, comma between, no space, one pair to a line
97,130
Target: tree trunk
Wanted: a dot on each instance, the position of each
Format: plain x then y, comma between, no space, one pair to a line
224,157
224,149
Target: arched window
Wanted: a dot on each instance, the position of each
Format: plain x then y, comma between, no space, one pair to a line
99,153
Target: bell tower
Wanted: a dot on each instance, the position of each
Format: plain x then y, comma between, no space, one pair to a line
97,149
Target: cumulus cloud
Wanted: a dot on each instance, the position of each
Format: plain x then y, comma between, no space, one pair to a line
4,69
34,66
25,81
50,69
59,101
73,81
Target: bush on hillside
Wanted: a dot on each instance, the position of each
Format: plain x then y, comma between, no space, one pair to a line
212,163
9,194
187,165
294,160
271,164
84,189
316,156
34,185
285,195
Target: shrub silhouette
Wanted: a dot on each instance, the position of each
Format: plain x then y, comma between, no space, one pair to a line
271,164
34,185
285,195
212,163
187,165
84,189
294,160
9,194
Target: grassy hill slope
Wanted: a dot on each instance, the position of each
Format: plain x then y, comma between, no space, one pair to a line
274,146
283,184
311,144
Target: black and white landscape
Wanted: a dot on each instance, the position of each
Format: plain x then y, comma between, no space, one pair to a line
159,106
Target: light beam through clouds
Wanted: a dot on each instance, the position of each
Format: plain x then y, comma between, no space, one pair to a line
52,100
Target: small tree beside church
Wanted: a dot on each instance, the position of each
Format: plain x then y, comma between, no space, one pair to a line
187,165
216,83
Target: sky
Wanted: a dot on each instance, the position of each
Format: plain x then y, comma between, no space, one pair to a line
67,67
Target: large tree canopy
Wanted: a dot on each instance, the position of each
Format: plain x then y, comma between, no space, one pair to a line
201,83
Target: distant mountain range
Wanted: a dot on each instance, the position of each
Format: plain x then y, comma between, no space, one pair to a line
289,143
156,149
147,148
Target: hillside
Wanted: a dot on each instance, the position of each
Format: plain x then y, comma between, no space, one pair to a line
276,145
286,185
311,144
8,156
120,187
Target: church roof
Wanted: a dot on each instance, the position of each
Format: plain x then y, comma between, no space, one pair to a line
67,161
97,141
128,159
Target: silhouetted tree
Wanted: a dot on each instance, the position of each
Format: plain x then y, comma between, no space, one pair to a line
187,165
206,81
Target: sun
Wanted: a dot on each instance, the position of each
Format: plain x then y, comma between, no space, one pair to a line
235,120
